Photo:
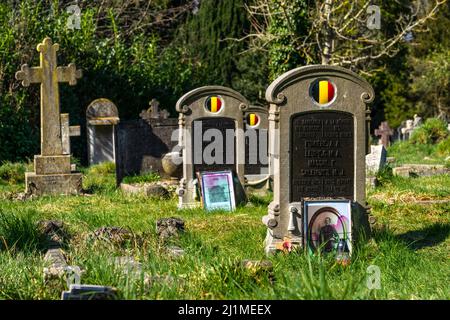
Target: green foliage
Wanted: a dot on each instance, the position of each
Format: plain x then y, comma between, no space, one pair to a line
384,175
147,177
443,148
289,20
211,38
127,66
431,132
12,173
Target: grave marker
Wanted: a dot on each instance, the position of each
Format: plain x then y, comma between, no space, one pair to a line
101,117
385,132
52,170
318,120
211,124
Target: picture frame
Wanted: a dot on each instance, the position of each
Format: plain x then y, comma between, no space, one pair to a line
217,189
327,226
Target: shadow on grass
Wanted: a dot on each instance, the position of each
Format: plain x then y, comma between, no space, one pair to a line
429,236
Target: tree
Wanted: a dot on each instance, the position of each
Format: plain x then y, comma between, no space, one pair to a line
344,33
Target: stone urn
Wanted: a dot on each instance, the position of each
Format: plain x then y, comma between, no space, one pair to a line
172,164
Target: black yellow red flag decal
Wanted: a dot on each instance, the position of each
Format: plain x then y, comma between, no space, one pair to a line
252,119
323,91
214,104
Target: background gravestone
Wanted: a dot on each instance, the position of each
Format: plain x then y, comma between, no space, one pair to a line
101,117
318,126
142,144
212,107
256,120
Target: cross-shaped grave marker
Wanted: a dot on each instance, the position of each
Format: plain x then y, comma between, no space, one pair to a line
52,167
384,131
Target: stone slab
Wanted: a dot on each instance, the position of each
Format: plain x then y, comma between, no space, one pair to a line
53,184
52,164
408,170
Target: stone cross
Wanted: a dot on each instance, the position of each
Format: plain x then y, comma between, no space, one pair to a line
67,132
385,132
48,74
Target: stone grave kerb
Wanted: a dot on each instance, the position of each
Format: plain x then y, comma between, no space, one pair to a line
290,95
191,107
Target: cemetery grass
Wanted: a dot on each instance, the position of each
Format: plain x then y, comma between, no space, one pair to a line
410,246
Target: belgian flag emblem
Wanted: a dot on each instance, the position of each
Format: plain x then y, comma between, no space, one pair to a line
252,119
214,104
322,91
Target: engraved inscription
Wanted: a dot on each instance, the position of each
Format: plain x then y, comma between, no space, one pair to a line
222,124
321,159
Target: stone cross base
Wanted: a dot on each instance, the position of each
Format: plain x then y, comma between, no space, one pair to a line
53,184
52,164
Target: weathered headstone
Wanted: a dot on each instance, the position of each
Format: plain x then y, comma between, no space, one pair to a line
376,159
101,118
211,136
318,120
385,132
408,129
143,144
153,112
52,170
256,154
417,121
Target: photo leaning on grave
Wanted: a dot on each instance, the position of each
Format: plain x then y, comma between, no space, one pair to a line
239,152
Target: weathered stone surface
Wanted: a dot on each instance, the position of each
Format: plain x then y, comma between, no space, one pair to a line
52,164
376,159
385,133
141,145
55,184
169,227
102,115
51,160
194,119
89,292
317,147
148,189
172,164
408,170
54,231
57,264
115,235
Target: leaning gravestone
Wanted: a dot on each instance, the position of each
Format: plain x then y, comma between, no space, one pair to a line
318,120
211,136
101,118
52,170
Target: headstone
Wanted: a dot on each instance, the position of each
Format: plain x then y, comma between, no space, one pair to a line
256,154
101,118
68,131
153,112
385,132
408,129
142,145
376,159
52,170
417,121
211,124
318,128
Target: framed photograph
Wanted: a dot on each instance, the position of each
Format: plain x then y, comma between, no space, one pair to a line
328,226
218,190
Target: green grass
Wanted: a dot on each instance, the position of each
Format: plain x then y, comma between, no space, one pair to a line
410,246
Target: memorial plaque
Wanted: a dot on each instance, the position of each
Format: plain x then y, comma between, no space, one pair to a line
322,157
255,157
222,124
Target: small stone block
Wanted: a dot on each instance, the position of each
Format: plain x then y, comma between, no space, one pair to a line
51,164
